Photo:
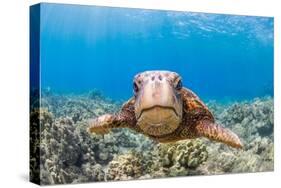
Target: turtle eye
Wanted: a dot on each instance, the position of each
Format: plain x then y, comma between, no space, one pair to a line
136,88
179,85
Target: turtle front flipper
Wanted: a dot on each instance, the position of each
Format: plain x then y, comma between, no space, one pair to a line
102,124
124,119
218,133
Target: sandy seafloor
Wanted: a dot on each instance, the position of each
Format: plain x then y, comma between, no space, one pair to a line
69,154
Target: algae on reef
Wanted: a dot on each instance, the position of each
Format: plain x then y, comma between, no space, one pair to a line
69,154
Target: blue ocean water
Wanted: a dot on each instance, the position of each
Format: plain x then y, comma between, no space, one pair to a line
221,57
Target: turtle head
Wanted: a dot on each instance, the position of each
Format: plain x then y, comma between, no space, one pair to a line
158,102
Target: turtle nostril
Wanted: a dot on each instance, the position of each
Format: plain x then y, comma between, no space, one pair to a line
152,78
160,77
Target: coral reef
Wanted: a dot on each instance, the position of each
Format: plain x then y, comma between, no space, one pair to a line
59,150
34,147
253,122
183,157
257,156
78,107
69,154
165,160
250,119
126,167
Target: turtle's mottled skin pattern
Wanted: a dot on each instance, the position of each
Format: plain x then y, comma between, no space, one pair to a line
165,111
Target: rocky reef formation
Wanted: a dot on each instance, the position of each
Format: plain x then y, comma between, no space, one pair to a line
69,154
126,166
165,160
253,122
183,157
250,119
78,107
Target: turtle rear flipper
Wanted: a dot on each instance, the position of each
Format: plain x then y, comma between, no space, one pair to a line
218,133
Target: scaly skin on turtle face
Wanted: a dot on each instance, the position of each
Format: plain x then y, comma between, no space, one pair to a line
165,111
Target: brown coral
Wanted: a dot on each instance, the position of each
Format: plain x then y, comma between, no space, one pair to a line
182,157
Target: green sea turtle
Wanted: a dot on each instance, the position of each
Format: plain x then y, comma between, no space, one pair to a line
165,111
